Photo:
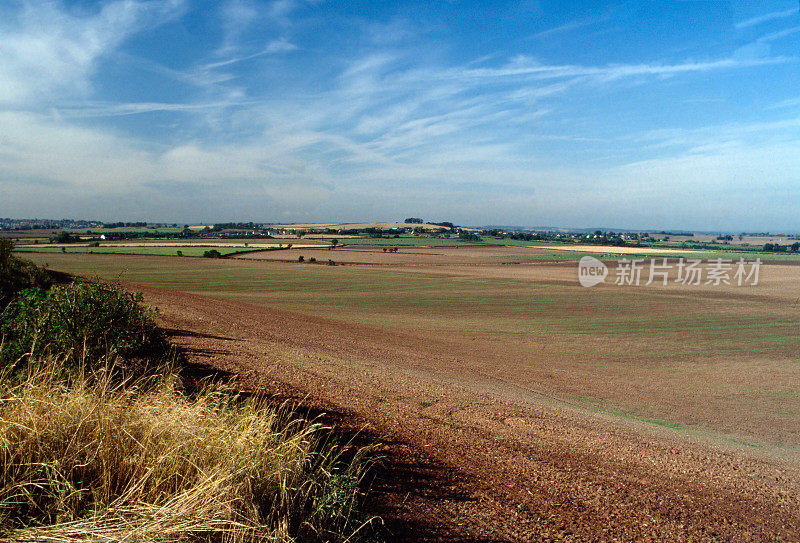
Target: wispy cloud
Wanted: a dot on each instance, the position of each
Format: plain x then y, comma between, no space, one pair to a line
569,27
261,118
767,17
526,67
779,34
92,109
47,49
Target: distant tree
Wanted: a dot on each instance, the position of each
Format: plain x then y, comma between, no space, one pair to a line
312,259
796,246
468,236
180,253
334,242
769,247
212,253
413,220
301,233
300,258
64,237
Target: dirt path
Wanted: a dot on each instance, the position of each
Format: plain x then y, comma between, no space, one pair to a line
476,458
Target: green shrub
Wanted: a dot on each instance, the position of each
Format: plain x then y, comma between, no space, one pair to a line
81,323
212,253
17,274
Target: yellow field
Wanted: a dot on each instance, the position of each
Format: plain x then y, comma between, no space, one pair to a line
606,249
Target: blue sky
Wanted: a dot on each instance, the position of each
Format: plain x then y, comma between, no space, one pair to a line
633,115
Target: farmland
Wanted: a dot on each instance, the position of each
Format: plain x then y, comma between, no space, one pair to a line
440,246
499,351
539,326
138,249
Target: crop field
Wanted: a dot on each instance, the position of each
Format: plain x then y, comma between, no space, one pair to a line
720,361
664,250
415,249
190,247
405,240
137,249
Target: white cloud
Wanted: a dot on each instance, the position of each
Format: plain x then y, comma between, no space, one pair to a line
767,17
780,34
47,50
526,67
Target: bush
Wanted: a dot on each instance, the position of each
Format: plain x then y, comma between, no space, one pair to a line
81,323
17,274
85,456
212,253
300,258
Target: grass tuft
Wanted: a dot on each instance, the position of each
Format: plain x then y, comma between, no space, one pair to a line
139,461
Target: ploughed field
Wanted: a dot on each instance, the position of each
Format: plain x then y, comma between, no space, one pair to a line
629,412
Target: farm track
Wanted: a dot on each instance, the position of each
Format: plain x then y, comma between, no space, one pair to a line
475,458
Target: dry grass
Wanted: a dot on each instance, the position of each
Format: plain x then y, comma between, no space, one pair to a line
141,461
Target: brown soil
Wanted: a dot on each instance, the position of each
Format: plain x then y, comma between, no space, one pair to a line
472,455
405,256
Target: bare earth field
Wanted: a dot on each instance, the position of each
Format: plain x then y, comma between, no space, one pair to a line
406,256
515,404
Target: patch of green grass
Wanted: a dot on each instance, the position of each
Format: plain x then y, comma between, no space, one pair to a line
632,416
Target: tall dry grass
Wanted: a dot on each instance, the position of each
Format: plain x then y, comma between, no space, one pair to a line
89,459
